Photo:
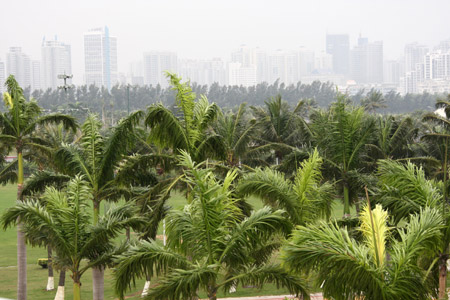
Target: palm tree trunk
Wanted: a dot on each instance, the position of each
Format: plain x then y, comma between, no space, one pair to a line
21,246
128,234
146,286
98,283
60,292
346,201
443,277
212,293
76,290
50,281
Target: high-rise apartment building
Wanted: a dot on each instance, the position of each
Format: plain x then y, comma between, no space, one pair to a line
437,65
19,65
338,46
156,63
366,63
100,58
392,71
2,78
56,60
414,54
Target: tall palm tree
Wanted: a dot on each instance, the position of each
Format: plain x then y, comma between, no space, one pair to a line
66,221
96,157
374,100
304,199
211,245
347,268
18,127
405,190
187,128
341,134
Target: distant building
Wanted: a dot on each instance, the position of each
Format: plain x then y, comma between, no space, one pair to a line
240,75
437,65
393,70
414,54
36,78
2,77
136,73
56,60
19,65
156,63
202,71
100,58
338,46
366,62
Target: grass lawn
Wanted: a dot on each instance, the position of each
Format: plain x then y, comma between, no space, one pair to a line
37,276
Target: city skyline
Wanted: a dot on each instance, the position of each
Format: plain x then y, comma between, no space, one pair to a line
204,29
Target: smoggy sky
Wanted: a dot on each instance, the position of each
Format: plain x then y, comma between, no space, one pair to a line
206,29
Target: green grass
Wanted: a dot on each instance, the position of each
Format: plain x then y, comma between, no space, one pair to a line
37,277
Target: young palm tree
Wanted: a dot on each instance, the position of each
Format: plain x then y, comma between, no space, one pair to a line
341,134
18,127
304,199
211,245
404,191
64,222
346,268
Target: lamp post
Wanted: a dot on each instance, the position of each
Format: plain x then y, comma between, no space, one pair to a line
128,97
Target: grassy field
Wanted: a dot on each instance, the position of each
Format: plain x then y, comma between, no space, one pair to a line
37,276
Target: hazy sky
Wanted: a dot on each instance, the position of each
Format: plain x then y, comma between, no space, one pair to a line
206,29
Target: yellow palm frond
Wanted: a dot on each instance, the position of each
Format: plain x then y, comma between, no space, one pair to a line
375,230
8,100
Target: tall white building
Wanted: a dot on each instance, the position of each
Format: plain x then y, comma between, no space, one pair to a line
202,71
393,70
56,60
100,58
156,63
437,65
414,54
19,65
2,78
36,75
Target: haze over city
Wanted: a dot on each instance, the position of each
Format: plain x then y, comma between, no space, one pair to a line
209,29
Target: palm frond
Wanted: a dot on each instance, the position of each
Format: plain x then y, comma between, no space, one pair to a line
146,258
37,182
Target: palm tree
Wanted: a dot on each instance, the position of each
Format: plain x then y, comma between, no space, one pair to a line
18,127
347,268
187,128
236,131
66,221
304,199
211,245
281,129
341,134
404,191
374,100
96,157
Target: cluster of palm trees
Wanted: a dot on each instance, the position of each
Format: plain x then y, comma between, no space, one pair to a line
298,161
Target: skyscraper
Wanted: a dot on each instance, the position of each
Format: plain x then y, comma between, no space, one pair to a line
338,46
156,63
18,64
366,64
56,60
100,58
2,77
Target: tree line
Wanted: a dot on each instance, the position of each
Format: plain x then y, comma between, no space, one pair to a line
120,97
390,172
